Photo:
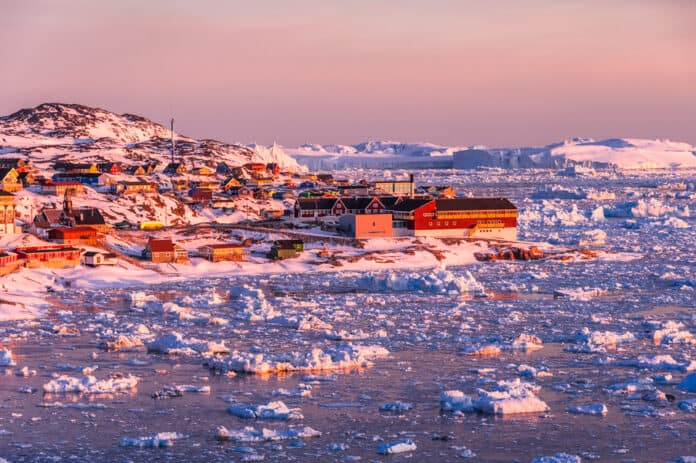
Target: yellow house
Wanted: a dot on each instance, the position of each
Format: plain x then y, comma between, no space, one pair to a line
9,180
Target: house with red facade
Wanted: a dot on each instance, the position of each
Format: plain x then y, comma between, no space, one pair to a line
54,256
86,236
458,217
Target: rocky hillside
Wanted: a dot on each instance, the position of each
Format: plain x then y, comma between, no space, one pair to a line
57,131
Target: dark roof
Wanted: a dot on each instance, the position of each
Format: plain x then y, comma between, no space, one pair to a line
5,193
316,203
78,175
410,204
388,201
473,204
356,203
88,216
4,172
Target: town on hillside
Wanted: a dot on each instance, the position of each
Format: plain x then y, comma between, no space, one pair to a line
297,206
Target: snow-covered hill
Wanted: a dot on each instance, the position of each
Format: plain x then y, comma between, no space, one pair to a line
71,132
628,153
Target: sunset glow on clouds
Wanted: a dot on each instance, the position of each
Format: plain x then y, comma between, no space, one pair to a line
450,72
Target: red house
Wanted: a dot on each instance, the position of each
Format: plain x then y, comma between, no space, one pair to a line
73,235
201,195
458,217
49,256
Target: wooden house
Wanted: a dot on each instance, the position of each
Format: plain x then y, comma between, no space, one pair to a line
85,236
9,180
58,188
175,168
231,182
9,262
201,195
133,187
222,252
97,258
7,214
282,250
54,256
203,170
110,168
164,251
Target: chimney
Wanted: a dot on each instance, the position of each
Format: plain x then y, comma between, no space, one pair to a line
413,185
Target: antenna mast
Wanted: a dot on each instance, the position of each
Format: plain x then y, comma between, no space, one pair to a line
173,142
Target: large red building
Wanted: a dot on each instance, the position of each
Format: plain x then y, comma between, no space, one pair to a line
457,217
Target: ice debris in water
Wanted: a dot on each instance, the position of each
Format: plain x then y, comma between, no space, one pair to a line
342,356
658,362
590,409
397,406
91,385
523,342
688,383
253,305
139,299
598,341
250,434
505,398
176,343
558,458
400,446
162,439
6,358
670,332
439,281
275,410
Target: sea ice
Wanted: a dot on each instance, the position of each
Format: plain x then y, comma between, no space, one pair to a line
250,434
162,439
91,385
400,446
275,410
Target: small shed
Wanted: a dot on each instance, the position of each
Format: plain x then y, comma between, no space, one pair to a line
282,249
96,258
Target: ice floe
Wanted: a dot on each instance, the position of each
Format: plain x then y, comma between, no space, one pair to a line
400,446
91,385
275,410
342,356
162,439
251,434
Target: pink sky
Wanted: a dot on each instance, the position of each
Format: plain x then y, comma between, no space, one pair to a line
510,72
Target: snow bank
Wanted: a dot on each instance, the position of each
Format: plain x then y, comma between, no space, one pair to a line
91,385
400,446
162,439
340,357
275,410
250,434
439,281
175,343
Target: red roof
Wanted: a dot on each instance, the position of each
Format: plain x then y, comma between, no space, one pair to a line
165,245
223,246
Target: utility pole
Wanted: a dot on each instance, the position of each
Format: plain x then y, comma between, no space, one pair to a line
173,142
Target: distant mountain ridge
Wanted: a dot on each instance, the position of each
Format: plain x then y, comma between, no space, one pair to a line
52,131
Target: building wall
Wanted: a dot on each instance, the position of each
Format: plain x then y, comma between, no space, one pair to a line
369,225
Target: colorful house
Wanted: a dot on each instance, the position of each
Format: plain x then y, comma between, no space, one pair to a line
164,251
85,236
54,256
7,214
9,180
222,252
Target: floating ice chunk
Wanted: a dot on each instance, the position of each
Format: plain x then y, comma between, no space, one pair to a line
139,299
439,281
523,342
599,341
6,358
593,237
122,343
188,388
674,222
340,357
558,458
557,192
397,406
531,372
79,406
598,215
91,385
305,322
302,390
250,434
671,332
336,447
400,446
591,409
510,397
456,401
253,303
688,383
162,439
688,405
633,386
658,362
275,410
175,343
578,294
